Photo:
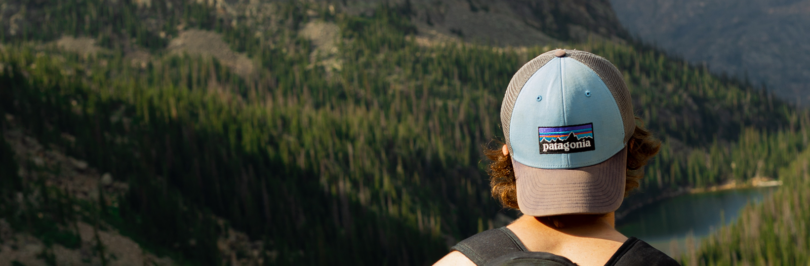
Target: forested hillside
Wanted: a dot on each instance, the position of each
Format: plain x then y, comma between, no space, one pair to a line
772,233
375,157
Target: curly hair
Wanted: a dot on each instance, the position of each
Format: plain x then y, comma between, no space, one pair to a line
641,147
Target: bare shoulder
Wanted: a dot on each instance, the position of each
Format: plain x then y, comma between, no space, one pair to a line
454,258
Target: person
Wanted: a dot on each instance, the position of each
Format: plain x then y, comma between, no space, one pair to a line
573,150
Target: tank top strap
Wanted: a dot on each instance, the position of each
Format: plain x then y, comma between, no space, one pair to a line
488,245
514,238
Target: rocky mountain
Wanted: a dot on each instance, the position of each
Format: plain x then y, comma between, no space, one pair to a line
506,22
767,41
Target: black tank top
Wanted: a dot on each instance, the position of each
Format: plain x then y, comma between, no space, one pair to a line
489,245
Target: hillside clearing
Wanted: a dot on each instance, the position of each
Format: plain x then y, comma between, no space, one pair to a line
207,43
82,45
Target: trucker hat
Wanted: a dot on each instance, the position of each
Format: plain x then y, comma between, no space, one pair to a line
567,116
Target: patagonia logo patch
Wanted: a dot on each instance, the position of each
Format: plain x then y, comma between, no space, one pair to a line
567,139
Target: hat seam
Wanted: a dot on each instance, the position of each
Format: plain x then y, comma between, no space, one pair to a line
562,95
628,115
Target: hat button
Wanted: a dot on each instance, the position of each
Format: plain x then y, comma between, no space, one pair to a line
559,53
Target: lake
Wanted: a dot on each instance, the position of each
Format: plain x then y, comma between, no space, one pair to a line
666,224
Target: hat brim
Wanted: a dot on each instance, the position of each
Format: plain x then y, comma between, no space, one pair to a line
587,190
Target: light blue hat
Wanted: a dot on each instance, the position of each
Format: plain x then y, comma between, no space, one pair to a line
567,116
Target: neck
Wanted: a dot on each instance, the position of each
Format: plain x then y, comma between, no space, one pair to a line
580,224
585,239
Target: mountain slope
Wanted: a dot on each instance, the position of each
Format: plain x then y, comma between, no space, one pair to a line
374,157
503,23
765,41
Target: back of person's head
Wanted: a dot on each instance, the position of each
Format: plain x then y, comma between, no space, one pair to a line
573,145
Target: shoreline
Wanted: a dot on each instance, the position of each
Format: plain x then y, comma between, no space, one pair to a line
756,182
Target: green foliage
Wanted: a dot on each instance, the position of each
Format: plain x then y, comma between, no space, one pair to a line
10,181
113,24
48,257
46,213
35,208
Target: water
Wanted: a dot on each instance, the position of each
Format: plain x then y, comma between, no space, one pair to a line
665,225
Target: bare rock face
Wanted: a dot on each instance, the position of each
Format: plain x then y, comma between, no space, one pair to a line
506,22
83,45
570,20
206,43
79,164
324,37
106,179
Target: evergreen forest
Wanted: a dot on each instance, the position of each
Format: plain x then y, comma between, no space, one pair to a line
376,158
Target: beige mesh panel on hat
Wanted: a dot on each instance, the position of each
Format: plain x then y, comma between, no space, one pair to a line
609,74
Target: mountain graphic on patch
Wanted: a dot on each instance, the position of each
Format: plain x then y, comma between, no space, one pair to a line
566,139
